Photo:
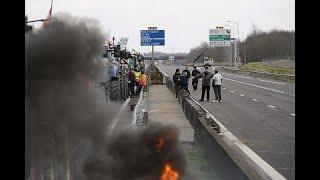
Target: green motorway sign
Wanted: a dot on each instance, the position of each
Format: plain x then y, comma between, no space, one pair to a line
219,37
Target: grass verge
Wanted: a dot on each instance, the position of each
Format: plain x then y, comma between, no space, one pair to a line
262,67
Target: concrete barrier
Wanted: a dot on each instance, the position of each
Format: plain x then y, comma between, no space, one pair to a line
221,145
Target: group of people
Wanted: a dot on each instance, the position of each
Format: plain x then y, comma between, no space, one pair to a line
181,81
137,79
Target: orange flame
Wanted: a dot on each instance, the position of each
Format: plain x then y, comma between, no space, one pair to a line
160,142
169,174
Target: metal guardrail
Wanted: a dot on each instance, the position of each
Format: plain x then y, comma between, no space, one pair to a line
208,129
140,112
266,75
139,119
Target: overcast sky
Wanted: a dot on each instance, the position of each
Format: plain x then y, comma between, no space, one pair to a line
186,22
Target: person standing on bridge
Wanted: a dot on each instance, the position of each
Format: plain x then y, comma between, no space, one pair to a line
132,81
184,82
137,74
142,83
216,84
186,70
176,80
206,78
194,73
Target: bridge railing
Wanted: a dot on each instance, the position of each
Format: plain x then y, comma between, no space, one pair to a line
140,116
219,144
140,112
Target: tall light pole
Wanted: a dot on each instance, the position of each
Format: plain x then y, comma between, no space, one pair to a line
233,53
238,41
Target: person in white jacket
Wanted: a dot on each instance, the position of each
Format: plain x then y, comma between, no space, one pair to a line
216,84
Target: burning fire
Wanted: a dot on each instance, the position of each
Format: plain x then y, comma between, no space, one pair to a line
160,142
169,173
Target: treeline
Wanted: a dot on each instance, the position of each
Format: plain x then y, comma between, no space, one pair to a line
276,44
258,46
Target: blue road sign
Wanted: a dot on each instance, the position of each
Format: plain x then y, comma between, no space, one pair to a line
154,42
147,34
152,37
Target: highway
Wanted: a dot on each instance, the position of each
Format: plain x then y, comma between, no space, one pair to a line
260,112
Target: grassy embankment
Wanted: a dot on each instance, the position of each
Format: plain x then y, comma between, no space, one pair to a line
279,67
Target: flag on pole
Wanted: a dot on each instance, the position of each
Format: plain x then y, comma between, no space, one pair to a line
46,21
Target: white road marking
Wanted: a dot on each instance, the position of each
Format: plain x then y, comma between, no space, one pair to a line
238,76
262,87
272,82
254,100
244,77
241,95
271,107
231,91
293,114
224,88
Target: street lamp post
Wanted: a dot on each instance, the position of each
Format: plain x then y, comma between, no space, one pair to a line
238,41
233,53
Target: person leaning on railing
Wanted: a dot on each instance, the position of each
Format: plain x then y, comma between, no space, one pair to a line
176,80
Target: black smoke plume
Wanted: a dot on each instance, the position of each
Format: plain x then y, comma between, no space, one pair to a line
61,61
133,154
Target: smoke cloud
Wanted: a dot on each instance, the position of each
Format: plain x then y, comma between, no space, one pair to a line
133,154
61,61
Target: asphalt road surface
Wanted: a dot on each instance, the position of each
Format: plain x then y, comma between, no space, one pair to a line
259,112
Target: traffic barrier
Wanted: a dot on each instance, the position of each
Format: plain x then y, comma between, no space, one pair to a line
220,145
140,111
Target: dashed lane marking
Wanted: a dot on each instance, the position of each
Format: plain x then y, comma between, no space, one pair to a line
293,114
241,95
262,87
271,107
272,82
231,91
254,100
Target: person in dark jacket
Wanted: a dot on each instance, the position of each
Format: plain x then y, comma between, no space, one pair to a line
132,81
194,73
206,78
176,80
188,72
184,82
